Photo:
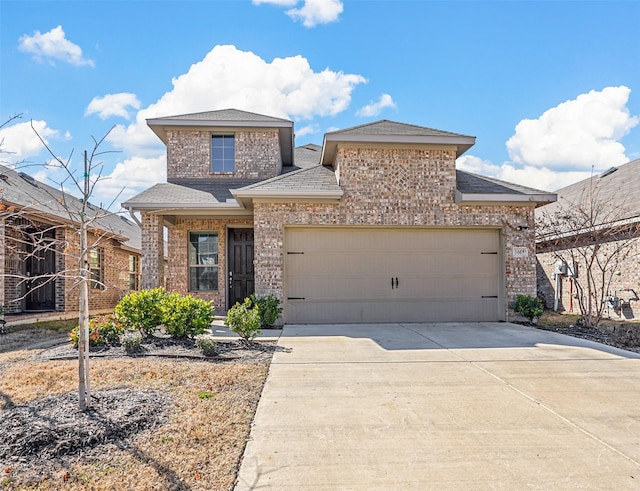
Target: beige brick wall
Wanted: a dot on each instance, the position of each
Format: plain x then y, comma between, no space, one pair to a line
395,187
152,251
625,283
178,277
257,155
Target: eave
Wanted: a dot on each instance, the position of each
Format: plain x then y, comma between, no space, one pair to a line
504,199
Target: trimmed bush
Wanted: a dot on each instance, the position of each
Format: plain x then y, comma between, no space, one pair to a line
244,320
103,329
268,307
142,310
185,316
528,306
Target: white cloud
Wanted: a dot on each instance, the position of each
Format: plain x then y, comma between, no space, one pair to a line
20,142
576,134
541,178
129,178
230,78
376,108
113,105
52,46
308,130
315,12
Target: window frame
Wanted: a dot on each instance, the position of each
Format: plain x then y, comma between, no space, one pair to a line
193,267
96,268
134,273
224,160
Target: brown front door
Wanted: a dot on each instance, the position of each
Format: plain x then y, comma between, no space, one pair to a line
39,269
240,264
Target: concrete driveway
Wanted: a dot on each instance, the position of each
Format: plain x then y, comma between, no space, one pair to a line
444,406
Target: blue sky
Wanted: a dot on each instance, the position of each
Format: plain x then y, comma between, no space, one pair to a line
550,89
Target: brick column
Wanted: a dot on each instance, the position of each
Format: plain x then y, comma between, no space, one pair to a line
152,251
2,260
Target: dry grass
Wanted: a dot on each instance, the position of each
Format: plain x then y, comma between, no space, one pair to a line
199,447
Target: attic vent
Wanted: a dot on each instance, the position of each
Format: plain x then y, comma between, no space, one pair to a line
608,172
29,179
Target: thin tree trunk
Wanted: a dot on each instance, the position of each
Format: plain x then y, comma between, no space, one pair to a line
84,386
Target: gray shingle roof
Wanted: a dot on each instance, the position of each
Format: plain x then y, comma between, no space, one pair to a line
386,127
475,188
311,181
41,200
186,194
620,188
231,115
307,155
391,132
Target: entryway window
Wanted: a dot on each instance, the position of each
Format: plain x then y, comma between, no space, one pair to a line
223,153
203,261
134,272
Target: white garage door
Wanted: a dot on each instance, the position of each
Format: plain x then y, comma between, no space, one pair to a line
336,275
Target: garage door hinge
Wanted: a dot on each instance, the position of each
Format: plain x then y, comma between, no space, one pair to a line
488,253
295,298
489,296
291,252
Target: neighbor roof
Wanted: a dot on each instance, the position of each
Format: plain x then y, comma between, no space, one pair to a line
619,187
475,189
228,120
43,202
386,131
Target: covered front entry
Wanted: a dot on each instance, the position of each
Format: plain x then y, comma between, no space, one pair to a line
349,274
40,268
241,274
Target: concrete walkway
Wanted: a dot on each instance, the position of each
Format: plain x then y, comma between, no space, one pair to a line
444,406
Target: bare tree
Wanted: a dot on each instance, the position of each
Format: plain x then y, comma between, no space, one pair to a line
594,238
32,238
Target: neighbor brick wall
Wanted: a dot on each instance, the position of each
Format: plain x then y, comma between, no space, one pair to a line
178,279
625,284
257,155
394,187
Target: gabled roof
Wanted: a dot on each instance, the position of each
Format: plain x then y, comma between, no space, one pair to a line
619,187
386,131
475,189
43,202
316,183
228,120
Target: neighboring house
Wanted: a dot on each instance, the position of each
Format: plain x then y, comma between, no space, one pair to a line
616,211
374,226
40,249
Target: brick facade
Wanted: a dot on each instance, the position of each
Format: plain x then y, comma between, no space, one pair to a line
152,251
395,187
257,155
115,271
178,278
625,284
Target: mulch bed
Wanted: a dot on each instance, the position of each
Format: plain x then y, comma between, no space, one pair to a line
617,338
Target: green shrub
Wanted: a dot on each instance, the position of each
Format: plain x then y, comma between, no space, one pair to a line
131,340
268,307
207,345
103,329
244,320
142,310
528,306
185,316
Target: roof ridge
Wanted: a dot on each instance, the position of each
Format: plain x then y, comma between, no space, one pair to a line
401,124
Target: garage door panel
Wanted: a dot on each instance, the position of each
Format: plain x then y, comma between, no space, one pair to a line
345,275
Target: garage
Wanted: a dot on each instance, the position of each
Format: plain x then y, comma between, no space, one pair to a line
352,274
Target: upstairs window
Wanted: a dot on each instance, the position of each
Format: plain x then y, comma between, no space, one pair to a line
223,153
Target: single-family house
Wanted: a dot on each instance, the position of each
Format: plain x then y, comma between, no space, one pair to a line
39,257
375,225
597,218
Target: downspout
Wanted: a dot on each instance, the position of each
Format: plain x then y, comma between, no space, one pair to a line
134,218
